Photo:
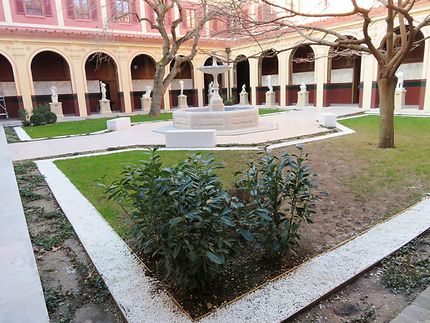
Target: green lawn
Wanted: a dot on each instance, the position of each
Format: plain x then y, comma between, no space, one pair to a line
381,171
85,173
87,126
82,127
264,111
395,178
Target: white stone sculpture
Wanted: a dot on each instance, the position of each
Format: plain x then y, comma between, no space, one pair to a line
303,87
269,83
211,88
243,96
243,89
54,94
181,83
148,91
103,90
400,81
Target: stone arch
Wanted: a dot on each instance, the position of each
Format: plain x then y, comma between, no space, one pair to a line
302,70
186,74
343,77
241,75
51,68
142,68
101,66
8,88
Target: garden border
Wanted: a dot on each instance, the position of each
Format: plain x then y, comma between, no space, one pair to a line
276,300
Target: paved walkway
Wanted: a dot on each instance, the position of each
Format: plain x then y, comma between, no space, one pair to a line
418,311
290,124
21,295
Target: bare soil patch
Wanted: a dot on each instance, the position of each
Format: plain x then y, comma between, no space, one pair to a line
73,289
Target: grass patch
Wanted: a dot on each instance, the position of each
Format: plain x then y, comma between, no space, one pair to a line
85,173
82,127
263,111
388,170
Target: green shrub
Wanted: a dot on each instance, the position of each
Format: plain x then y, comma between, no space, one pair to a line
279,199
42,109
37,119
228,102
51,117
182,216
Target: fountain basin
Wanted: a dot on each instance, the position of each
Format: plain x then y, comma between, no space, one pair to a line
238,117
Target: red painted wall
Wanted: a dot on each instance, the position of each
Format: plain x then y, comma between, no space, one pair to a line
1,12
93,22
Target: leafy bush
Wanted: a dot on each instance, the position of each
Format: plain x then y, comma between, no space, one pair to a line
42,109
228,102
42,115
51,117
280,199
182,216
37,119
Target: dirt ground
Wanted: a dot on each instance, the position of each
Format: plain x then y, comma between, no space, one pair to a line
380,294
73,289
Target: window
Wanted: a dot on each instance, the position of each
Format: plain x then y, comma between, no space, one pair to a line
122,10
190,20
34,7
82,9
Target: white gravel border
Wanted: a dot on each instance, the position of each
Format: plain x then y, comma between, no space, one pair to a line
22,134
140,301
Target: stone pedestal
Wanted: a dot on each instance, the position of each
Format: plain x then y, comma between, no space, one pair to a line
146,103
57,108
244,99
399,102
182,101
105,107
270,99
209,98
302,98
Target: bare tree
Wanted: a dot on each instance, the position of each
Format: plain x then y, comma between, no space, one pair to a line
401,27
192,19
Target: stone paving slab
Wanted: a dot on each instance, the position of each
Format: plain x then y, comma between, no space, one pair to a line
273,302
418,311
21,295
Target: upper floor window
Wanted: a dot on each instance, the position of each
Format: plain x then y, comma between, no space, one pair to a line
82,9
122,10
190,18
34,7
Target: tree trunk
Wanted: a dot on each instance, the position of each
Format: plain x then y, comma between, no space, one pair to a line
387,89
158,91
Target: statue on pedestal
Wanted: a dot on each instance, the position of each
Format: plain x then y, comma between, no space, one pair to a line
400,81
181,83
243,89
148,91
269,83
303,87
103,90
54,94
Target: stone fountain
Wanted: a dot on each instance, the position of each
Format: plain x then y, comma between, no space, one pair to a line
216,115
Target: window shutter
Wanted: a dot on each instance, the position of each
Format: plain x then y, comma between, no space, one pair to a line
93,11
168,18
20,8
47,8
150,14
133,12
114,11
70,9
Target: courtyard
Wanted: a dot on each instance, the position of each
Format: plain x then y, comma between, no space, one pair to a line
204,161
